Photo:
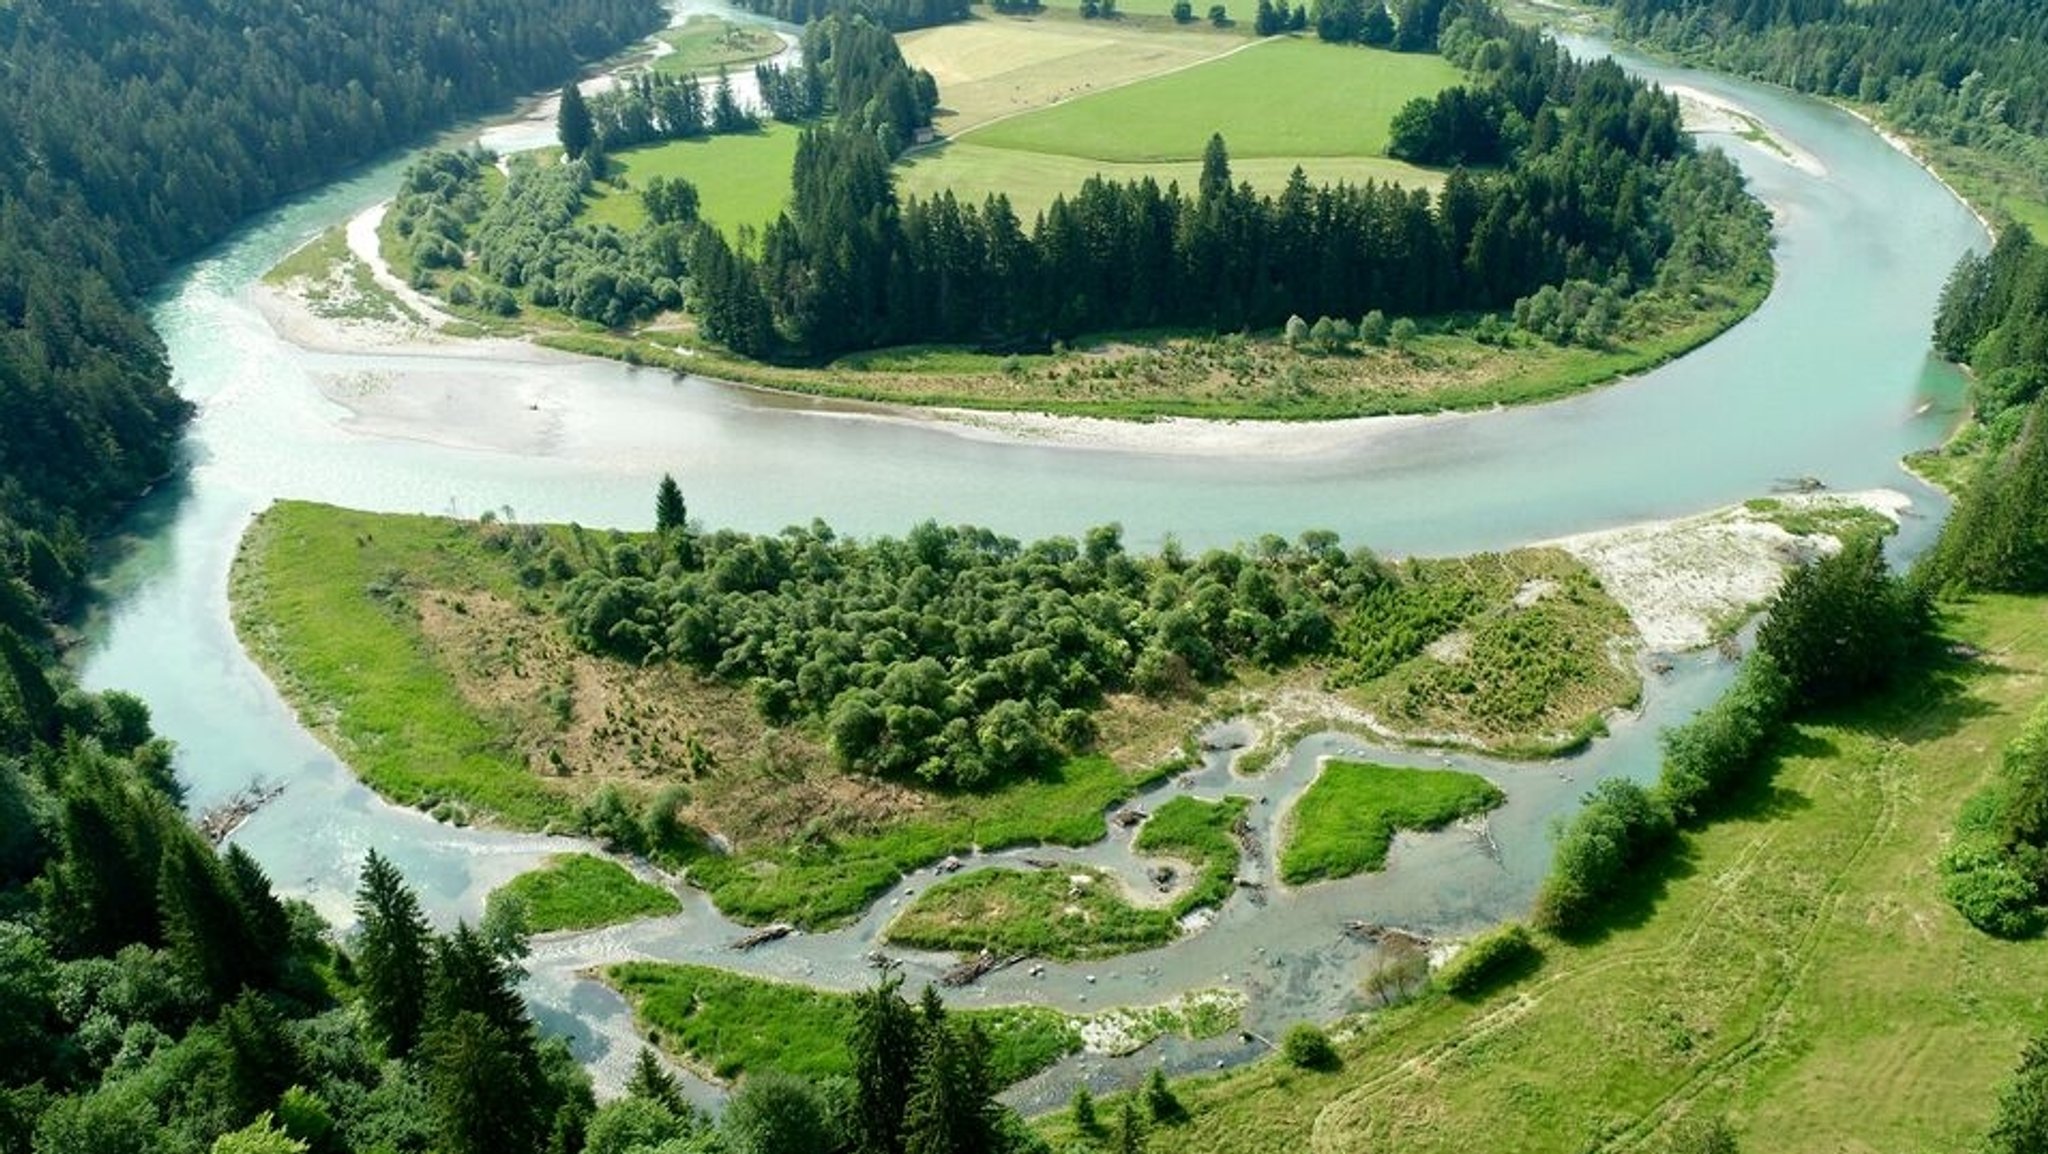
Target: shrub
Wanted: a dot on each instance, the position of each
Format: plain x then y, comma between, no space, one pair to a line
1309,1048
1159,1099
1619,828
1488,959
1989,890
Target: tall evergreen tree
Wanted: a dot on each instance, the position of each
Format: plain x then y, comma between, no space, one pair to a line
573,123
209,940
670,513
481,1057
392,956
885,1059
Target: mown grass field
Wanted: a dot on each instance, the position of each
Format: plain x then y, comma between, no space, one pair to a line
1281,97
1031,180
580,892
1792,967
994,65
1345,822
742,180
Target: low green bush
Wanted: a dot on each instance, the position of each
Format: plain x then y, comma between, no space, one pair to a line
1488,959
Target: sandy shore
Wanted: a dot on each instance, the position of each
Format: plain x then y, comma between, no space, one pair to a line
1678,579
1173,436
1704,112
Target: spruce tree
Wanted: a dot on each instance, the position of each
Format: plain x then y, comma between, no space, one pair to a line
655,1084
573,123
208,939
670,514
481,1056
885,1058
391,956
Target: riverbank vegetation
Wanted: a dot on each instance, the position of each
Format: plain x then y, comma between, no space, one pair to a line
800,719
579,891
1080,912
1729,980
707,43
1345,822
1961,79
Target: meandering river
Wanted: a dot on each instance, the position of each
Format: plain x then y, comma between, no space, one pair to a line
1831,378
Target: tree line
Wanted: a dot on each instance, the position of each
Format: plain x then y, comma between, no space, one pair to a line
851,67
1600,187
896,15
1968,72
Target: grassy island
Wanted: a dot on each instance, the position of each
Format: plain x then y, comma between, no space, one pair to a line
1346,821
701,697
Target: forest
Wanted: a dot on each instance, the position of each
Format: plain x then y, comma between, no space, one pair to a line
849,267
155,994
1971,73
144,130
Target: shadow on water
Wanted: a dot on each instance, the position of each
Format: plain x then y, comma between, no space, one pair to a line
122,560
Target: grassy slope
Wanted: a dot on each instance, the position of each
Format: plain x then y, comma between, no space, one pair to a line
1345,822
581,892
1794,968
728,1024
1282,97
317,607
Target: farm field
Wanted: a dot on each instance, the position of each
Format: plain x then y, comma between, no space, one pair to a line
1281,97
742,180
1001,65
1792,968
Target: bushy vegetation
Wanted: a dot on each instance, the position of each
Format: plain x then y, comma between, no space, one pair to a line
897,15
1837,630
957,656
1345,822
1308,1047
580,892
1996,871
1492,957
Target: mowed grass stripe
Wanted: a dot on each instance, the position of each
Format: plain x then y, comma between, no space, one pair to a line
1032,179
1292,98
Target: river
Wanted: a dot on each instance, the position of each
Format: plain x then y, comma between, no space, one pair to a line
1831,378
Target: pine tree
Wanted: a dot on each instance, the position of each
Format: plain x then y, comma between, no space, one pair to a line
1130,1131
885,1058
208,939
391,956
573,123
1215,179
657,1085
670,514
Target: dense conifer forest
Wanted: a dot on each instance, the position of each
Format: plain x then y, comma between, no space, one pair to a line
141,131
1965,72
154,994
1598,192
